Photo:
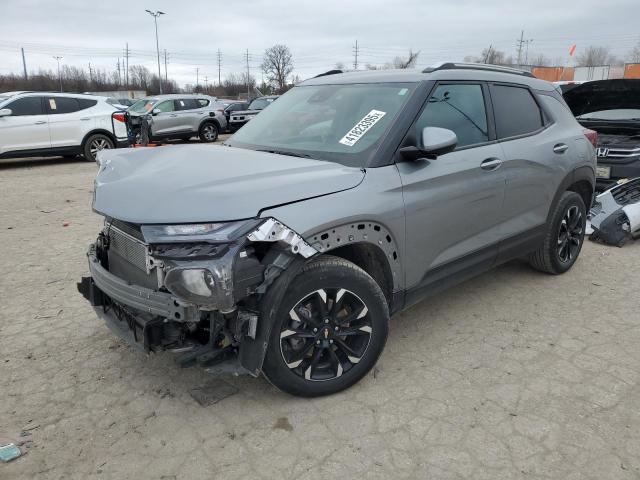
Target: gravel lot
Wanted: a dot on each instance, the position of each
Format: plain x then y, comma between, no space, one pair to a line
514,374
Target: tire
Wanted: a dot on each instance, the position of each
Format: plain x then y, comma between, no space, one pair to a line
564,237
94,144
309,363
208,132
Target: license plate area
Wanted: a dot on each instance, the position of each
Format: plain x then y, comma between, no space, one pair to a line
603,172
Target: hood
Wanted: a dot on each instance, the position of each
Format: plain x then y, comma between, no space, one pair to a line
208,183
603,95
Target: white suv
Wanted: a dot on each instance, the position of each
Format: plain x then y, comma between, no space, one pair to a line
43,124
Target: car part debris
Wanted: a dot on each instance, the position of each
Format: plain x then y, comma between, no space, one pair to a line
615,215
9,452
274,231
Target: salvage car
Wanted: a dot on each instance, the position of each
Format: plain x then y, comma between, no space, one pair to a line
58,124
286,250
611,108
179,116
240,118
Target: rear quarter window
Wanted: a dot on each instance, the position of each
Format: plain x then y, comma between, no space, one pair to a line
515,110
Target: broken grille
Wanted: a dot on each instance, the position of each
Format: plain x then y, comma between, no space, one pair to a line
128,247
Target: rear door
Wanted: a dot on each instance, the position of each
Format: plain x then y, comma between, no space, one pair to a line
453,204
69,119
27,128
189,113
533,148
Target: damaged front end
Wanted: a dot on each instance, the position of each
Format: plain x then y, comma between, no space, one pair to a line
615,214
192,289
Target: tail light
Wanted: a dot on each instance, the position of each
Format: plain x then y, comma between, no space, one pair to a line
119,117
592,136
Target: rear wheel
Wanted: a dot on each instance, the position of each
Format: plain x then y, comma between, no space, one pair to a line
96,143
208,132
329,330
564,238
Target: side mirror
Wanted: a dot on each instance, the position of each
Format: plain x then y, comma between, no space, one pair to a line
5,112
156,111
435,141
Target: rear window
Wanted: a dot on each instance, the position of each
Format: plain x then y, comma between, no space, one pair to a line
26,106
516,111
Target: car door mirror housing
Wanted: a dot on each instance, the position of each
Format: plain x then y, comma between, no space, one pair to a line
5,112
156,111
434,141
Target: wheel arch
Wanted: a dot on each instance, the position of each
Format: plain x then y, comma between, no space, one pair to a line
581,180
102,131
206,120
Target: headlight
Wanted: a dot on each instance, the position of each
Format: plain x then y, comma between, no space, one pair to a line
194,284
198,232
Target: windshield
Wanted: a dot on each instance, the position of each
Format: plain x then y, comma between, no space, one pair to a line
339,123
615,114
260,103
143,106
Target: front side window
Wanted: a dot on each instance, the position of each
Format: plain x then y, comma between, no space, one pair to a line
339,123
457,107
515,110
166,106
26,106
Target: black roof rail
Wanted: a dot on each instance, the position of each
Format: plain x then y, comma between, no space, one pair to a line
477,66
330,72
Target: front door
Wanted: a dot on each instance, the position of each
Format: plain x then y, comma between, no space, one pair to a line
453,204
166,121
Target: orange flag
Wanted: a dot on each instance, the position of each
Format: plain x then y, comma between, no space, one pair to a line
572,49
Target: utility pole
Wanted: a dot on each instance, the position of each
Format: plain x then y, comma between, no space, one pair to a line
486,57
219,67
248,87
155,16
58,58
24,64
206,84
118,68
126,67
355,52
520,44
197,78
526,55
90,75
166,78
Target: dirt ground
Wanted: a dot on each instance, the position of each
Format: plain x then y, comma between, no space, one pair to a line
514,374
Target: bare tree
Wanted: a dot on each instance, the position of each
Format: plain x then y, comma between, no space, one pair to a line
540,60
634,54
491,56
277,65
594,56
406,62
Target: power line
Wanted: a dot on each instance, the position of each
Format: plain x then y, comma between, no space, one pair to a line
355,52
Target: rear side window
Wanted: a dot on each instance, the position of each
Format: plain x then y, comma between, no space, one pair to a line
186,104
26,106
458,107
60,105
516,111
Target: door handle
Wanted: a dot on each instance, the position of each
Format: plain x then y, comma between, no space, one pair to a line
85,118
560,148
40,122
491,164
173,115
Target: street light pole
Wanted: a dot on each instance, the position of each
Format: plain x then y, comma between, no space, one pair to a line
58,58
155,16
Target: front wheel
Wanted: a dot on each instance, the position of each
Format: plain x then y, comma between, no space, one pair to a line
564,237
329,330
208,132
94,144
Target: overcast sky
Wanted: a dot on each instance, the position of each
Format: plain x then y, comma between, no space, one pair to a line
319,33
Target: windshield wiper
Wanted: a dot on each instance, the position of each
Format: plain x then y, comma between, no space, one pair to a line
284,152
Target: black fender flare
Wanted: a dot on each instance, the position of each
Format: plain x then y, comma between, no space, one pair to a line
252,350
583,173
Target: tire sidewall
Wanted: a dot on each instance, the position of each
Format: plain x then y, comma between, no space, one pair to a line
310,280
568,200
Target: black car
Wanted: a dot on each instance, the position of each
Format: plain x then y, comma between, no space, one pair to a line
234,107
239,118
611,108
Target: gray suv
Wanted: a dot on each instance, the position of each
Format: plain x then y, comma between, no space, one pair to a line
286,250
181,116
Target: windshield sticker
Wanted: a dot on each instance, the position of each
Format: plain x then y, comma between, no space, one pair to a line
403,91
52,104
362,127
